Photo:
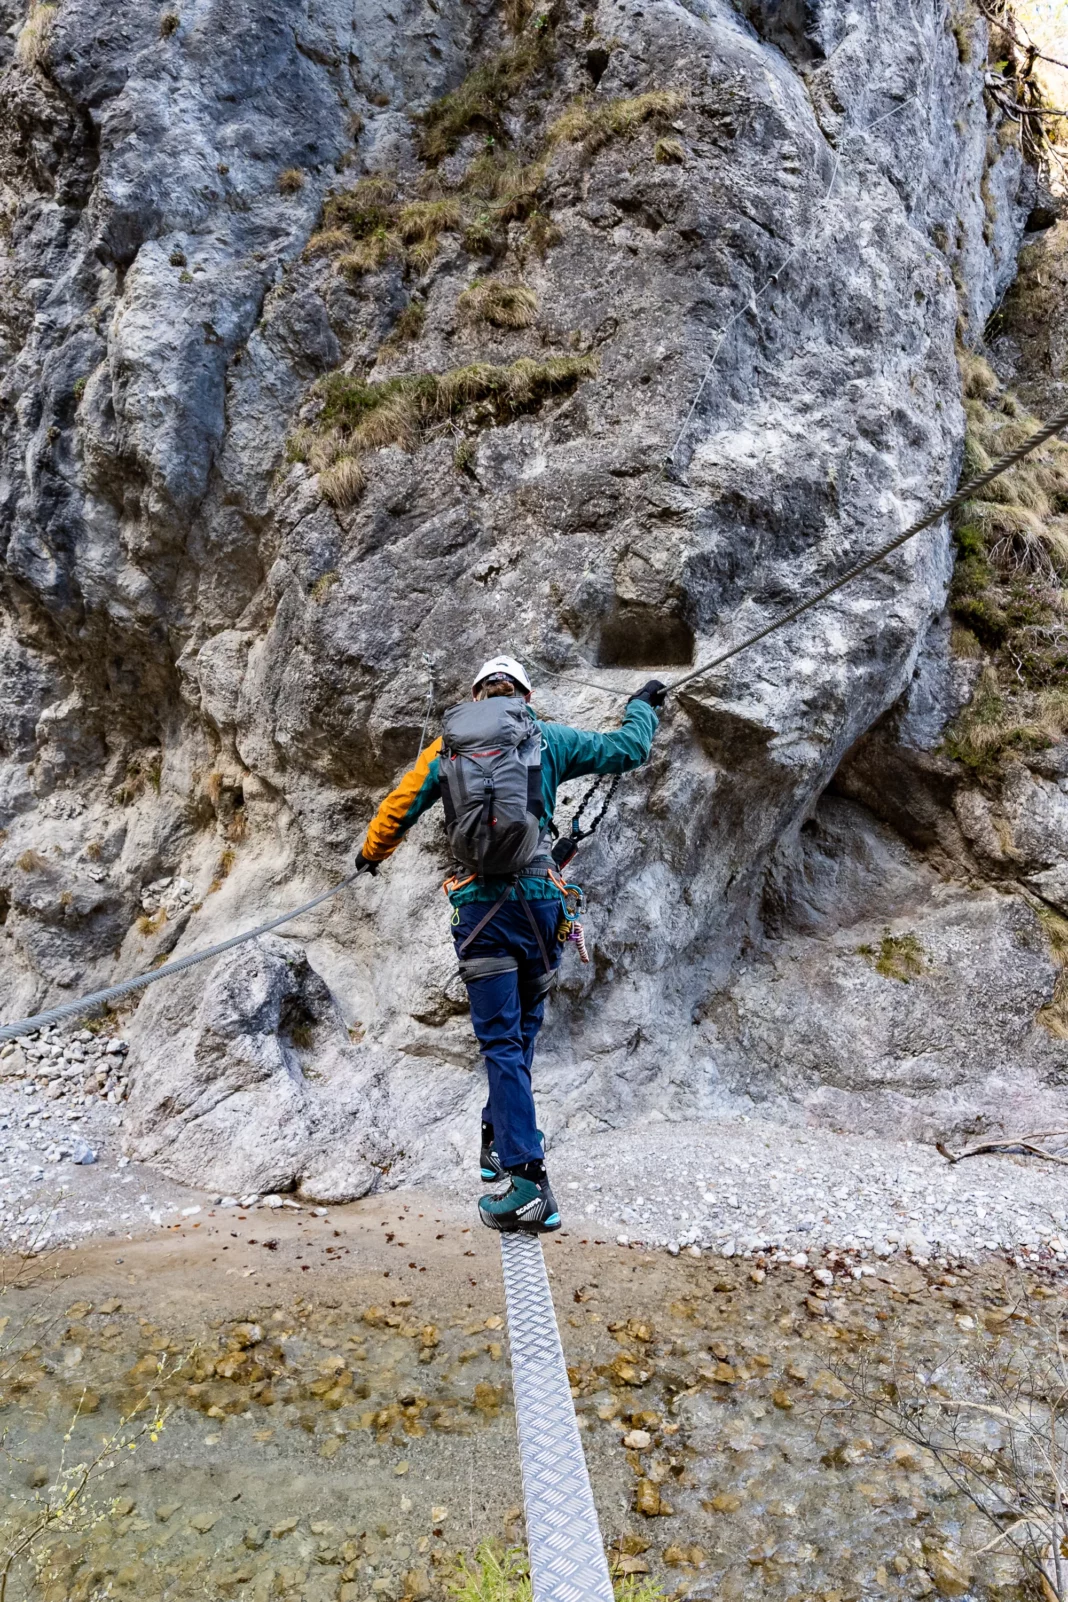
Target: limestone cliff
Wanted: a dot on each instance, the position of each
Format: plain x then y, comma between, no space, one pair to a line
344,344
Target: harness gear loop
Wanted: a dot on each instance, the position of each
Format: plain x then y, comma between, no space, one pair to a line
453,883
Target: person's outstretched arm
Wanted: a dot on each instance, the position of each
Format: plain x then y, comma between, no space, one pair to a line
418,790
578,752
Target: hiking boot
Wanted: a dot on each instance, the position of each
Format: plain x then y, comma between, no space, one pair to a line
524,1206
491,1169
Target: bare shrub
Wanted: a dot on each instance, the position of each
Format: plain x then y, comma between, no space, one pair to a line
995,1419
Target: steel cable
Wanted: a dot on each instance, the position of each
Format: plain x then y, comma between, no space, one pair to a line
73,1009
965,493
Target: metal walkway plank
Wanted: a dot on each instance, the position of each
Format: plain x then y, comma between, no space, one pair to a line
567,1557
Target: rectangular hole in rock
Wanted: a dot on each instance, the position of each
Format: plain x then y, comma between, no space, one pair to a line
645,636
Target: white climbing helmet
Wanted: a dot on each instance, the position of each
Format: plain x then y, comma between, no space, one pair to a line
503,664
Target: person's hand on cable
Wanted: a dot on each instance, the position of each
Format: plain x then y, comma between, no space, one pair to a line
654,692
364,865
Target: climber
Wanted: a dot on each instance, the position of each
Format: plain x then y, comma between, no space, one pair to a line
496,769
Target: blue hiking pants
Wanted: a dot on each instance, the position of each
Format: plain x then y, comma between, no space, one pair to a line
507,1011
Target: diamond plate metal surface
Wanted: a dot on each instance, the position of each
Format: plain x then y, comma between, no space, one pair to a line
567,1558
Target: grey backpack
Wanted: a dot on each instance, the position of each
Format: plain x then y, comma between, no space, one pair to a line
490,769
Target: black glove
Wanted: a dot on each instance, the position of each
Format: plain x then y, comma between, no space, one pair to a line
363,865
654,692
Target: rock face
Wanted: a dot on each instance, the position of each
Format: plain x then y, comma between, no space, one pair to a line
737,242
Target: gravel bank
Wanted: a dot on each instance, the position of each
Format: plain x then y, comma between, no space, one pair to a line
745,1187
738,1187
62,1176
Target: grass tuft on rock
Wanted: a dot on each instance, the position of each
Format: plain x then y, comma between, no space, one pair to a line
900,957
592,124
291,182
480,100
503,305
668,152
359,211
35,37
408,327
516,14
997,722
401,411
358,416
343,483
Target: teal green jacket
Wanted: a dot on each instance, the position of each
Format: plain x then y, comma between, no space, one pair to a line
566,754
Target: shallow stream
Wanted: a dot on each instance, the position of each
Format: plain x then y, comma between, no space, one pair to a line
340,1429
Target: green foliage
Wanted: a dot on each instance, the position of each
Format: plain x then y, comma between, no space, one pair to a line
501,1574
368,205
496,1575
1008,596
900,957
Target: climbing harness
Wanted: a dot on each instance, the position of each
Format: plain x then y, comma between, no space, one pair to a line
567,1556
75,1009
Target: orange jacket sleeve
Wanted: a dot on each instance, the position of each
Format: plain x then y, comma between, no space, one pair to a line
418,790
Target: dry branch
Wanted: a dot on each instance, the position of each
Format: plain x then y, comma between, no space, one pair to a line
1023,1145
